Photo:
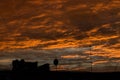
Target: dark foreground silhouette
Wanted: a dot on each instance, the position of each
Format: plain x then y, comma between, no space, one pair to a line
31,71
22,66
60,75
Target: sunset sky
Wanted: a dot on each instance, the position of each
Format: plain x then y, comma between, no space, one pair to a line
74,31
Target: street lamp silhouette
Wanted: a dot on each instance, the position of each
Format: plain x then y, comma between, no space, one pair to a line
56,63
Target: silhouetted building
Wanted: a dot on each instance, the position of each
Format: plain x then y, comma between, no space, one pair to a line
44,67
21,65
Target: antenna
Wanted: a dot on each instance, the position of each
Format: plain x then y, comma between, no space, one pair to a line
91,69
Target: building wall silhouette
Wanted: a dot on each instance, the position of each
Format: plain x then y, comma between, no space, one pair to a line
21,65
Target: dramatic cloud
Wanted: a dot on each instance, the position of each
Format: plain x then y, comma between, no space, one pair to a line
77,32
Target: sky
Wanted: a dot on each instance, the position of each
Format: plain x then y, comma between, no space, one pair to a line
77,32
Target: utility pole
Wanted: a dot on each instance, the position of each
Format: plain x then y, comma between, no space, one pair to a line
91,69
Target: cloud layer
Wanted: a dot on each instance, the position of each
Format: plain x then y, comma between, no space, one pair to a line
64,28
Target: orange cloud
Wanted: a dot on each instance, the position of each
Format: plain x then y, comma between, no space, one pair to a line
70,56
103,6
61,26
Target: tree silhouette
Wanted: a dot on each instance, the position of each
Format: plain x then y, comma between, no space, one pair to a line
56,62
